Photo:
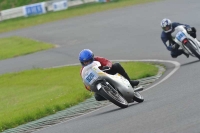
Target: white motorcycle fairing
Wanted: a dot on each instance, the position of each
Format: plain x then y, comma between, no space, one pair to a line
92,75
189,44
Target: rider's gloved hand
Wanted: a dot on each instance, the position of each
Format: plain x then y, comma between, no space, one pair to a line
105,68
172,47
189,29
169,48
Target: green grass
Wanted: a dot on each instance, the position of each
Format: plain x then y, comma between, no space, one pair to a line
17,46
28,95
23,22
140,70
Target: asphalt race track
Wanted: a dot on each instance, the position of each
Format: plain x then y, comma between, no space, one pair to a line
131,33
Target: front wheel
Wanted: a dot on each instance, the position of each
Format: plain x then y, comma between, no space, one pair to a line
194,50
111,94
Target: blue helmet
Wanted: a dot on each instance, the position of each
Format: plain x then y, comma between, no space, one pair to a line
86,57
166,25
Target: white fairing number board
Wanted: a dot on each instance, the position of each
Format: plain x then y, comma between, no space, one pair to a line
90,77
180,36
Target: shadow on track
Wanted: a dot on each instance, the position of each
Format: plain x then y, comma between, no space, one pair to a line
117,109
185,64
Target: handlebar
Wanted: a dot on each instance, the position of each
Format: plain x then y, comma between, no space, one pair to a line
104,70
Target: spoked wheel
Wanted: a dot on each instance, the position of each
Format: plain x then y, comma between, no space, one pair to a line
138,97
194,50
108,92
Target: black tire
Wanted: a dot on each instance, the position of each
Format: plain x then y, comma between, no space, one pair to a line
138,98
113,96
192,49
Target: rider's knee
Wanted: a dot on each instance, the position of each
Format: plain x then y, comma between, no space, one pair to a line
117,65
173,56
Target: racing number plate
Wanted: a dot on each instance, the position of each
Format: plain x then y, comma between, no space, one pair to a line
90,77
180,36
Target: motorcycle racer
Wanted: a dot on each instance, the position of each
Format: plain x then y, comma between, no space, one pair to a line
168,27
86,57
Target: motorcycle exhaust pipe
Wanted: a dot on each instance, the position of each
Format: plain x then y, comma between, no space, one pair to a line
140,88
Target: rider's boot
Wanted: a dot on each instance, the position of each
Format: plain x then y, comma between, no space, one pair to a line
134,82
187,55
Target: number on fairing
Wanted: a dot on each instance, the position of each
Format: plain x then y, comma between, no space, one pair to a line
91,77
180,36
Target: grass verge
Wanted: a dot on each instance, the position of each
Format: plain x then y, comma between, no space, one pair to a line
29,95
22,22
16,46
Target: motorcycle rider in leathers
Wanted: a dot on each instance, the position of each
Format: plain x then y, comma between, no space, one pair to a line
86,57
168,27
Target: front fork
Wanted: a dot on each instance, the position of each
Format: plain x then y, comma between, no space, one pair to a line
108,87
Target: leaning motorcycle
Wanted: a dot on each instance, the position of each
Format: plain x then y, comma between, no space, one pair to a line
114,88
189,44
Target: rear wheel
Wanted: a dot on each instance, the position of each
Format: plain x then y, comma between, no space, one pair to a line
108,92
138,97
194,50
